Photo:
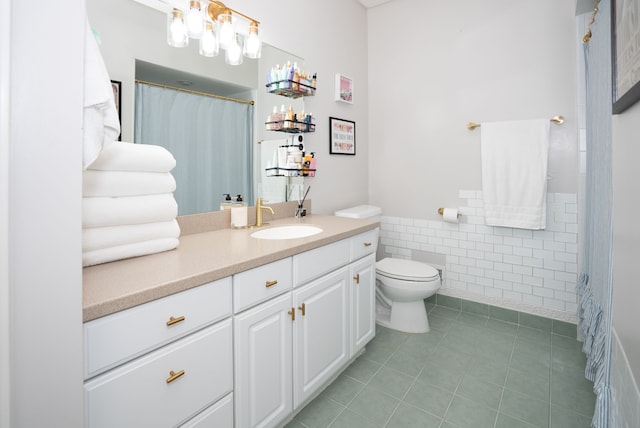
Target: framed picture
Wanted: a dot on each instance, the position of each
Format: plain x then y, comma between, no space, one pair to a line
342,136
344,89
625,39
117,97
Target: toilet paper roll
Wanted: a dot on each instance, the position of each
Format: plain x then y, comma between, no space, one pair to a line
239,216
450,215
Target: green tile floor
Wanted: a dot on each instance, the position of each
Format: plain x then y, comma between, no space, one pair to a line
478,367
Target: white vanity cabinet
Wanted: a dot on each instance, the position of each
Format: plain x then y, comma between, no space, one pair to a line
291,346
161,363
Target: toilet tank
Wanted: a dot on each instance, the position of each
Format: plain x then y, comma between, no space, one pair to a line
361,211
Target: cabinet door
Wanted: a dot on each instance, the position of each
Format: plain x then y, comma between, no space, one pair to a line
363,303
263,352
321,333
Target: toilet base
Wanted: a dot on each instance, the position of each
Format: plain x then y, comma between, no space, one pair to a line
408,317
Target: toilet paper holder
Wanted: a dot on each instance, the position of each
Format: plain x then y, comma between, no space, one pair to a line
441,212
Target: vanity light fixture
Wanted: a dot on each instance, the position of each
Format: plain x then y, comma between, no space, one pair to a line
217,26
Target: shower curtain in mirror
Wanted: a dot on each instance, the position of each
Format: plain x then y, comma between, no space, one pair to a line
595,282
211,139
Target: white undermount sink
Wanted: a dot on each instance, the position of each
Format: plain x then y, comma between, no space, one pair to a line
287,232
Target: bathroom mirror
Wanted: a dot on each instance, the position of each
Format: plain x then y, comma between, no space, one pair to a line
133,43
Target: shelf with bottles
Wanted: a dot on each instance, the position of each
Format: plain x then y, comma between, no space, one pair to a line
291,126
289,81
292,88
288,121
291,161
290,172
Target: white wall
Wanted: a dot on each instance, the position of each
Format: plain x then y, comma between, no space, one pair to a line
330,36
434,66
626,237
44,214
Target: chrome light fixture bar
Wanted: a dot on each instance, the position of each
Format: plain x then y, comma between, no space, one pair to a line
216,26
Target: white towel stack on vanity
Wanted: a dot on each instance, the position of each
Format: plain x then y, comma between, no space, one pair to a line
128,204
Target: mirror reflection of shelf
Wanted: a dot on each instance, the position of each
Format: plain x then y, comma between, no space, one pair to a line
291,126
291,88
290,172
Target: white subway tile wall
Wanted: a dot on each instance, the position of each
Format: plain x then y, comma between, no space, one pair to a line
625,397
538,268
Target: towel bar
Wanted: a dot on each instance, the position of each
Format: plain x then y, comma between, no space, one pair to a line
558,120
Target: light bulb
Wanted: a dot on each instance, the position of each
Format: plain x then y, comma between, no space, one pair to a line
253,44
226,30
177,31
195,20
208,42
233,55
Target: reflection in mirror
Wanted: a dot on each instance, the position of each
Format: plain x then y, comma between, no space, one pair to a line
132,35
209,134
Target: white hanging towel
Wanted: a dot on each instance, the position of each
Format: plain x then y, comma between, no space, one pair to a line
101,122
514,173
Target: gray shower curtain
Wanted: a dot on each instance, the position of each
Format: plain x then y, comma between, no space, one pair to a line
211,139
595,282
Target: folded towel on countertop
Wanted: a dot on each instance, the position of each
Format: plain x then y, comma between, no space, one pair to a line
126,183
119,211
514,173
120,156
96,238
111,254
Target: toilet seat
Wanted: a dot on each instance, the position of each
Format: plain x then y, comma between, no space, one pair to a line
406,270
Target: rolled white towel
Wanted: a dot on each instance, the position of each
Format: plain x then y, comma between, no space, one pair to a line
126,183
119,211
111,254
120,156
97,238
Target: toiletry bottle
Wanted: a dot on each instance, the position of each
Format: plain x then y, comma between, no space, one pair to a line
239,213
227,202
289,119
296,77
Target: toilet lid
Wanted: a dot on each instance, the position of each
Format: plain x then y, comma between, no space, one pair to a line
406,269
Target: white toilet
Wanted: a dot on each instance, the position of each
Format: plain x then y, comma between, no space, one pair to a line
401,285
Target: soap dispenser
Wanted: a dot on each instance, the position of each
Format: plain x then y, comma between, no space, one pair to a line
239,213
227,202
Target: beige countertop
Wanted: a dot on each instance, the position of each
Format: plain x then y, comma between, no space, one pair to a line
199,259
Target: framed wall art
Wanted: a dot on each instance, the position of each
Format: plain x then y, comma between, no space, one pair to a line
625,57
342,136
344,89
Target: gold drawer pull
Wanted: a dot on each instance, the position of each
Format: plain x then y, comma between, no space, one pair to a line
367,244
357,278
292,312
173,375
303,309
270,283
174,320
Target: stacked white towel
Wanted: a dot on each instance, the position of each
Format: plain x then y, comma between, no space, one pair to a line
128,204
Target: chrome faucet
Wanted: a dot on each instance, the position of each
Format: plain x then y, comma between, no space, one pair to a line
259,208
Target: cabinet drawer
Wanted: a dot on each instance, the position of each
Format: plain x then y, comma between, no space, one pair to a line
120,337
220,415
314,263
364,244
139,394
261,283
